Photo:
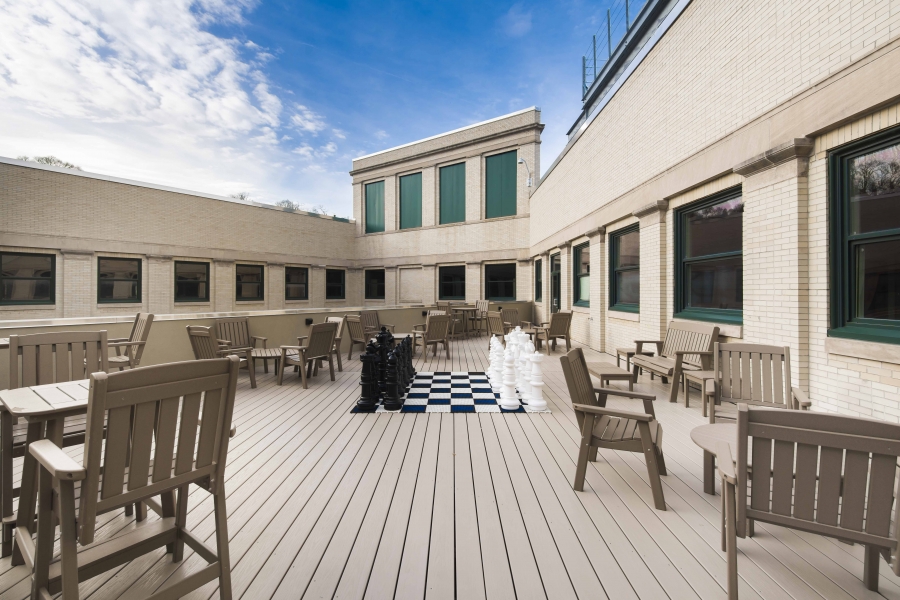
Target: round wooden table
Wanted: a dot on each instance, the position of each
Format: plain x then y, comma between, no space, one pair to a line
267,354
708,438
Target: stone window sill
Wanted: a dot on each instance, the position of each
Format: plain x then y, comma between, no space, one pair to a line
889,353
625,316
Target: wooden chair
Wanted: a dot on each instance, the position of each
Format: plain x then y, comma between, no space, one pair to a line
320,346
687,345
479,317
357,333
826,474
186,408
235,332
206,347
455,321
756,375
421,326
437,331
559,327
133,344
495,327
371,322
32,358
615,429
337,338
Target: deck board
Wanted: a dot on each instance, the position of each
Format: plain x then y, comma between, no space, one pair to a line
324,503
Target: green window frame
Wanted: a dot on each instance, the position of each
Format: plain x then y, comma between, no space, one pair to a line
500,282
702,277
374,284
538,280
375,207
296,283
116,275
335,284
500,185
249,282
581,275
452,283
191,281
864,215
411,201
452,193
27,278
624,273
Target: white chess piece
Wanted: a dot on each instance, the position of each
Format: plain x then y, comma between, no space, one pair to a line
521,373
525,388
536,400
508,398
496,365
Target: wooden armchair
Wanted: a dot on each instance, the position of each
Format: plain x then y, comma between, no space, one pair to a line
235,332
688,346
455,322
437,331
753,374
338,336
319,347
161,403
559,327
825,474
371,322
615,429
495,327
133,345
357,332
421,326
75,354
206,347
479,317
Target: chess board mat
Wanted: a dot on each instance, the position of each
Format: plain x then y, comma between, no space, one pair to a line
452,391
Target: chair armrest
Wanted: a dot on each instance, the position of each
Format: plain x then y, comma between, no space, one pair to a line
224,342
111,340
801,398
388,325
293,347
528,323
700,352
611,412
126,343
648,341
624,394
257,338
725,463
57,462
419,326
306,337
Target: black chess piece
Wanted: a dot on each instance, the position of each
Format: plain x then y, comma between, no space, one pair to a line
409,357
369,399
402,370
392,396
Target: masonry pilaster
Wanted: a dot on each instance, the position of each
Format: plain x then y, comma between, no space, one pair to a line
225,279
161,284
391,203
654,282
429,284
317,285
597,330
473,282
275,286
429,196
474,187
391,284
77,284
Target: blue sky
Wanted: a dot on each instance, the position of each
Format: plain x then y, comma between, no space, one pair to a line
275,98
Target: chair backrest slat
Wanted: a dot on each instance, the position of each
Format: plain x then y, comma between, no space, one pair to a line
482,307
578,380
495,324
754,374
339,334
321,340
167,400
824,473
686,336
140,332
202,342
560,322
369,319
355,329
236,330
437,327
42,358
511,316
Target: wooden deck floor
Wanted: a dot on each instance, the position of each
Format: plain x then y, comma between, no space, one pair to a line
323,503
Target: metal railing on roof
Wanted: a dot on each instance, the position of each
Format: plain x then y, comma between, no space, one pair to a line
604,43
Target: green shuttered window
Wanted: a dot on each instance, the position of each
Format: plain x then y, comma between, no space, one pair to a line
411,201
453,193
500,185
375,207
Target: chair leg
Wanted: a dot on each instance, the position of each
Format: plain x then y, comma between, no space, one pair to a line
303,376
6,479
180,523
870,568
331,367
661,459
141,511
281,372
68,541
731,541
222,544
687,387
27,491
338,356
568,344
673,393
587,429
265,365
46,531
650,457
350,351
252,372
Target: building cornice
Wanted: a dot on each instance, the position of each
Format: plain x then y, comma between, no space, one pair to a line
649,209
795,148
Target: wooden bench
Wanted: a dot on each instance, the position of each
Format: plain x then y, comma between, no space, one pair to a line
688,346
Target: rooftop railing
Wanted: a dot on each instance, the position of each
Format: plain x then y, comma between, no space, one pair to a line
619,19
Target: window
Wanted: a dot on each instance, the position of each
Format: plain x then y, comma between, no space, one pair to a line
452,283
500,282
538,280
500,185
118,280
375,207
709,272
27,278
864,181
191,282
375,284
411,201
296,283
334,284
625,269
453,193
250,283
581,279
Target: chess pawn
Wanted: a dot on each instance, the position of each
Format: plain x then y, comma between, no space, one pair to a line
508,400
392,393
536,401
525,385
368,382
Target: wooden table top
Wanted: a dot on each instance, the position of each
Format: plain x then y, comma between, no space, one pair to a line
606,370
47,401
708,436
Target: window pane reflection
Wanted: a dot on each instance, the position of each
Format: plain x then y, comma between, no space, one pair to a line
715,284
714,229
878,268
875,191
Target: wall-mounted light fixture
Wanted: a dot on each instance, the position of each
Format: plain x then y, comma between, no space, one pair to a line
309,321
528,182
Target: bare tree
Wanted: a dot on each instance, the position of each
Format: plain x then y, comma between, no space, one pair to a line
51,161
244,196
288,206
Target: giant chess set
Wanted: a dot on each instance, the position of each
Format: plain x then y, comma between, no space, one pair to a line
514,380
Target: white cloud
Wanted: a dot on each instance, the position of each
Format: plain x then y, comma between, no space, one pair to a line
339,134
142,89
516,22
381,134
